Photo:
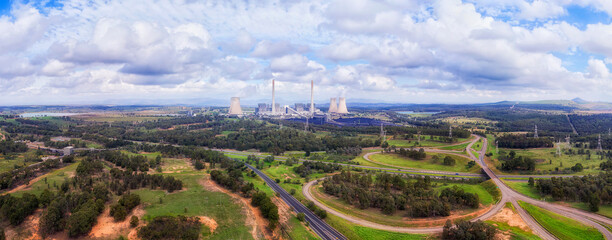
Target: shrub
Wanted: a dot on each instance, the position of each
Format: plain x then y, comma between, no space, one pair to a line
134,221
168,227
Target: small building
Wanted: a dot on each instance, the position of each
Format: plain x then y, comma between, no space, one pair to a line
68,151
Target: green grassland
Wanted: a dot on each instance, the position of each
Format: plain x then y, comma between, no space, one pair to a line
54,180
426,141
525,189
395,160
560,226
355,232
478,145
544,157
16,160
459,147
195,201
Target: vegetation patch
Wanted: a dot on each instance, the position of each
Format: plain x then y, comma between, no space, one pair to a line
560,226
168,227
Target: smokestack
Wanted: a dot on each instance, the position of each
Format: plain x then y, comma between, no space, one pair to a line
311,97
273,103
342,106
235,108
333,107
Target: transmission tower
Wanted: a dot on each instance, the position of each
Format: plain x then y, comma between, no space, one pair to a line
609,132
306,126
567,140
559,148
419,137
382,132
450,131
599,144
535,134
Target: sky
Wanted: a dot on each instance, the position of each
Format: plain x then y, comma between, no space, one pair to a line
78,52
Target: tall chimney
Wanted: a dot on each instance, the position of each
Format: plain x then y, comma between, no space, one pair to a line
333,107
342,106
273,103
311,97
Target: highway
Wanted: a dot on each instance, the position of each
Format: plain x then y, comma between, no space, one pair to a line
508,195
319,226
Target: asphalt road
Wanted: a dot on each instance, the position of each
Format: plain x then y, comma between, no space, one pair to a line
319,226
512,196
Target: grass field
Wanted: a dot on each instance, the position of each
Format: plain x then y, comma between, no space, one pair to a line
547,160
195,201
525,189
356,232
54,180
459,147
395,160
9,164
478,145
560,226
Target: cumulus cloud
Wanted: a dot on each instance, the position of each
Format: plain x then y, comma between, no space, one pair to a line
451,49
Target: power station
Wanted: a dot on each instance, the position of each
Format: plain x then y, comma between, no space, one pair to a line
304,110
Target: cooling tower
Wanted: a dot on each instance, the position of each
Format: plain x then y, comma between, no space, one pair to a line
342,106
333,107
235,107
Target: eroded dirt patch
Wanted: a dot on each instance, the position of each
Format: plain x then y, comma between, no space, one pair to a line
506,215
107,228
209,222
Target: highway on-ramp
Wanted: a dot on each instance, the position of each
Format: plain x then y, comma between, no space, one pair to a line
319,226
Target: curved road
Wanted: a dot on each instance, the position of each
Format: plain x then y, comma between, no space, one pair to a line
508,195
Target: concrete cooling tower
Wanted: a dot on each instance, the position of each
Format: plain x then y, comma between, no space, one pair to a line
333,107
342,106
235,108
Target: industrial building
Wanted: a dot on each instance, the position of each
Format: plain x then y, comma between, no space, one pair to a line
303,110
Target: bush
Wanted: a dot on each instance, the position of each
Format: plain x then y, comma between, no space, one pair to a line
468,230
301,217
118,212
134,221
292,191
168,227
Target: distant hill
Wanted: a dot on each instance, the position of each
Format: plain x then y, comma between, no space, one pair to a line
577,103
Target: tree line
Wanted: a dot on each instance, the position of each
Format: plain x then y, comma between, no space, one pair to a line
522,141
593,190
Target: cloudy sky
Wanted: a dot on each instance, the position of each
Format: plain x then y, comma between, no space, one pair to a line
407,51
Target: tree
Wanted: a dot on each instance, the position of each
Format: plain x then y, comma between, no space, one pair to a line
594,202
385,144
134,221
531,181
118,212
301,217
